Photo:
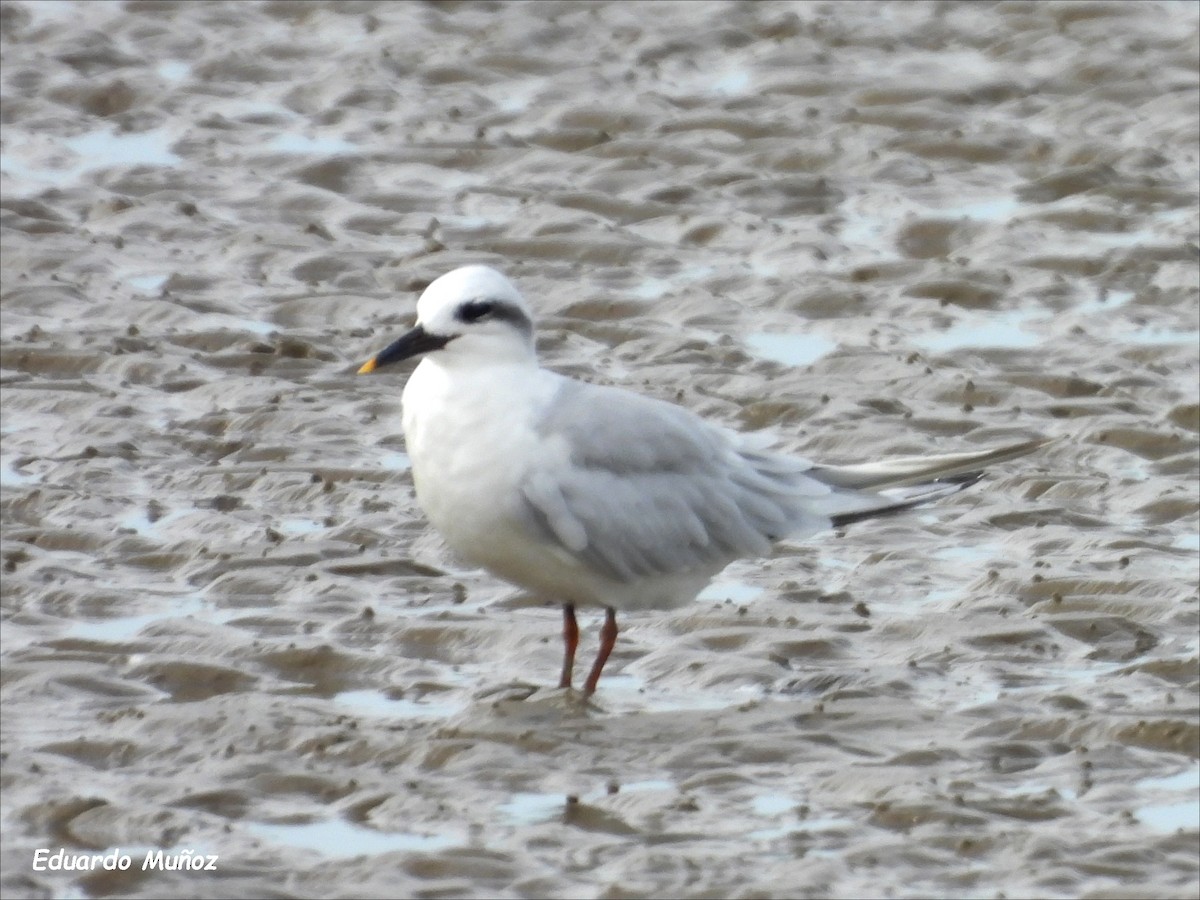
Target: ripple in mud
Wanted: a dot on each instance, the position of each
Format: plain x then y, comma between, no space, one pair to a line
865,229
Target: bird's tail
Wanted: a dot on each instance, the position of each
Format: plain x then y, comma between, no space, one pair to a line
867,490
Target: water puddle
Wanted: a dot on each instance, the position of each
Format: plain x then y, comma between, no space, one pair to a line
1105,300
737,591
36,162
783,810
731,82
1188,779
996,209
1172,814
378,703
998,330
516,96
338,839
396,461
866,232
1187,542
1025,328
216,321
790,349
147,284
650,287
772,805
141,523
468,222
124,628
530,809
11,476
533,808
173,70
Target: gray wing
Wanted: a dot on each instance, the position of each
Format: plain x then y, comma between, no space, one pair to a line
643,487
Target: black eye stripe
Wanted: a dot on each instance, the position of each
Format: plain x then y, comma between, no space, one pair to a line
495,310
475,310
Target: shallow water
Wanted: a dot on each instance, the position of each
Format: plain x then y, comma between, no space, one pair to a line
864,228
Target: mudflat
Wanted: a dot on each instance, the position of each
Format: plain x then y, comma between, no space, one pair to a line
865,228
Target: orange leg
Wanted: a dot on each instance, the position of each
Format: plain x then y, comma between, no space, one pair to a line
570,642
608,639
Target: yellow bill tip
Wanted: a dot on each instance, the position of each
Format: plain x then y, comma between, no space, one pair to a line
367,367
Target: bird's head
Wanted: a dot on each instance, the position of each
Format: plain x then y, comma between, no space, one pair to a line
470,314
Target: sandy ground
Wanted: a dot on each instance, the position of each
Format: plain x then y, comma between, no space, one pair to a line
866,228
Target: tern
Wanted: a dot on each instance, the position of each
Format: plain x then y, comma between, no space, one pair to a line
594,496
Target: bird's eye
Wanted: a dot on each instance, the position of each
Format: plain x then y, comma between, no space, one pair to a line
476,310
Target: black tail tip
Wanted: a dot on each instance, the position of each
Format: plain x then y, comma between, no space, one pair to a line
964,480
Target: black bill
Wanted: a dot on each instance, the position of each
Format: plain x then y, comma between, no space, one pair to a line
414,343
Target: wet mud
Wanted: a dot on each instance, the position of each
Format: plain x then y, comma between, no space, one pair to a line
864,228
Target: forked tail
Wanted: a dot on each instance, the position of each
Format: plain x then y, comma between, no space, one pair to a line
868,490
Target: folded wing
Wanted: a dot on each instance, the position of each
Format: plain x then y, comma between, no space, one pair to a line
641,488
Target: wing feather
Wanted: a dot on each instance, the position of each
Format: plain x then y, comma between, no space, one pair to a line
646,488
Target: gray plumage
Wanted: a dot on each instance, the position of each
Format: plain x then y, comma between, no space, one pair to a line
595,495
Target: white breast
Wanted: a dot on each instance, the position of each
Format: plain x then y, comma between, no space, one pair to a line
470,456
470,442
